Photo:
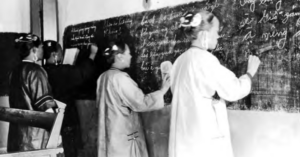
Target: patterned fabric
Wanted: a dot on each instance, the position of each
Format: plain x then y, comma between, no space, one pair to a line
29,90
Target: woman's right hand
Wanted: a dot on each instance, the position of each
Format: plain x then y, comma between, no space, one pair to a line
253,64
94,50
166,83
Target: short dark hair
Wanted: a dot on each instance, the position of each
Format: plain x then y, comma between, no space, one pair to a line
49,47
25,42
114,48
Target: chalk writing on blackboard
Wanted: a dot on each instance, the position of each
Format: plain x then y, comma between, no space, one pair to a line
246,27
82,36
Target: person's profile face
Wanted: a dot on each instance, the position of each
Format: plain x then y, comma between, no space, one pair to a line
60,56
40,52
214,34
127,57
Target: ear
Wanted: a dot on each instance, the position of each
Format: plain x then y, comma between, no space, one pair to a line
34,50
119,57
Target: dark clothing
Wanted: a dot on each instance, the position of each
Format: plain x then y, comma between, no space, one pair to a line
29,90
65,80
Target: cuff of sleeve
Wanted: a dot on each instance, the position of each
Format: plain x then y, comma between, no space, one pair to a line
43,103
160,98
250,77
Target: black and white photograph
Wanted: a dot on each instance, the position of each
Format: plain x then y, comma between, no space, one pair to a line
149,78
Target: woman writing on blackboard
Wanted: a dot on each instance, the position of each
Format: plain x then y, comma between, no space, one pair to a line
199,125
65,80
119,99
29,90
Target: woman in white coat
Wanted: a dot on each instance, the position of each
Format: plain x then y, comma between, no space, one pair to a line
199,125
119,100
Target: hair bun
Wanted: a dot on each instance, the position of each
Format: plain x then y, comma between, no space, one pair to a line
108,51
27,38
25,42
190,20
50,44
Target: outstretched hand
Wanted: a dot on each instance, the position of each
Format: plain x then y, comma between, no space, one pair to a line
253,64
94,50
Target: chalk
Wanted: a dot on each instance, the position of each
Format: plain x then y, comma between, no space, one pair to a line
165,68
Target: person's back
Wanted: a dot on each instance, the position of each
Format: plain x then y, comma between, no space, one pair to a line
191,80
23,76
65,80
123,126
29,90
199,123
192,91
119,100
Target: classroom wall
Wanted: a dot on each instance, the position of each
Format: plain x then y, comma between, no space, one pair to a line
78,11
254,134
14,17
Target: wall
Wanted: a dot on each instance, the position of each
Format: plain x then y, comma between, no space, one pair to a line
264,134
254,134
78,11
50,20
14,17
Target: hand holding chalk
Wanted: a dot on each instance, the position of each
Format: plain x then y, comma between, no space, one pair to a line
253,64
94,50
263,48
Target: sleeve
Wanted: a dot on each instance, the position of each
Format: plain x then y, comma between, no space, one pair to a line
40,91
227,85
134,98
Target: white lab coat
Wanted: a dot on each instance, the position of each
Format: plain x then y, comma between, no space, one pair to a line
120,132
199,125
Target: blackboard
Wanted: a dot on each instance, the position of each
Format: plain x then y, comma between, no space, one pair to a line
153,37
9,58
